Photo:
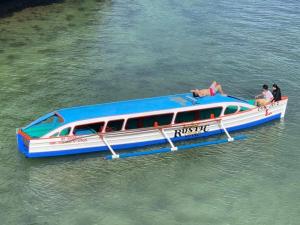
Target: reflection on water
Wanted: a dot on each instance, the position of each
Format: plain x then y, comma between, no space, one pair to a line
85,52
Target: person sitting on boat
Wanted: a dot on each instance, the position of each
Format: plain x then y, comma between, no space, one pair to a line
211,91
265,97
276,93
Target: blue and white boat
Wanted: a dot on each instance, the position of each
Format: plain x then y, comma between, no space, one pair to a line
136,123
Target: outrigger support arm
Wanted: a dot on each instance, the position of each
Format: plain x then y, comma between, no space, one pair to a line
173,147
230,139
114,154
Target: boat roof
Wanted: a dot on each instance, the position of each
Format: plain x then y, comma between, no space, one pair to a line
140,106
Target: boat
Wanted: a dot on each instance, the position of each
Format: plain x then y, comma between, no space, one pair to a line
137,123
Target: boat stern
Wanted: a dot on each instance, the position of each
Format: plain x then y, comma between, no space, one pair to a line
23,141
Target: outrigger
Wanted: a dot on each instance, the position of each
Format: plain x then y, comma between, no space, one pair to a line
136,123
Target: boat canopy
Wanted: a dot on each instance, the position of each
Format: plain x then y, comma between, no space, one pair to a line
140,106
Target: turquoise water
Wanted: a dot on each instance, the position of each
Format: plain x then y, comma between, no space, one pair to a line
86,52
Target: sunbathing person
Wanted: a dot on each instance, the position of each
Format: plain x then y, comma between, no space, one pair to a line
211,91
265,97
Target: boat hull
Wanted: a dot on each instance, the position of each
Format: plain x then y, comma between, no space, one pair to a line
46,147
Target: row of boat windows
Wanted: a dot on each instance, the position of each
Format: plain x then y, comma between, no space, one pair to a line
151,121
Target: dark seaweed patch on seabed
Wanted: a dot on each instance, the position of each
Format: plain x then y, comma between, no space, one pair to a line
82,9
48,51
11,58
71,25
4,41
17,44
69,17
36,28
58,29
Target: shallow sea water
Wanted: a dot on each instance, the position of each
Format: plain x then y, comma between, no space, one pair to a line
93,51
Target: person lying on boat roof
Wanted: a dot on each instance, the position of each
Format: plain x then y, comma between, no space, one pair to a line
265,97
276,92
211,91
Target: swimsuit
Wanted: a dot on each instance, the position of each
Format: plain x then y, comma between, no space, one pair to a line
213,89
212,92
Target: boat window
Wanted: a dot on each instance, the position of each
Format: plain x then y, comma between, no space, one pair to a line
231,109
55,135
88,129
114,125
243,108
195,115
65,132
149,121
210,113
187,116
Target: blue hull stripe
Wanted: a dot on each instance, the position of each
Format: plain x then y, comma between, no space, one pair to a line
24,149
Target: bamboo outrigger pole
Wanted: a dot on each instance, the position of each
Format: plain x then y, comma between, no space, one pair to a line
179,148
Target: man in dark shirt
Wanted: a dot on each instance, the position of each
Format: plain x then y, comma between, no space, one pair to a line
276,93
